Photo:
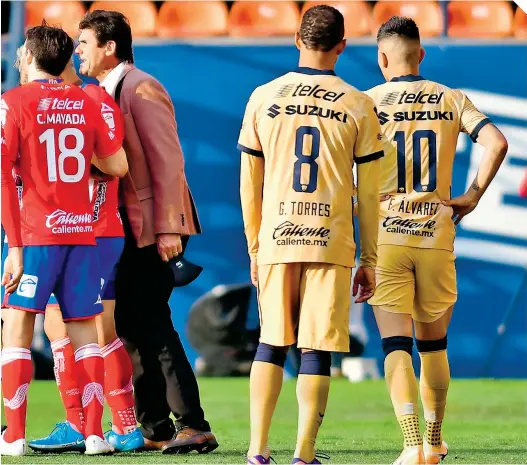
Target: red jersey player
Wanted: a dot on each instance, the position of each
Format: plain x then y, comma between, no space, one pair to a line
118,392
50,131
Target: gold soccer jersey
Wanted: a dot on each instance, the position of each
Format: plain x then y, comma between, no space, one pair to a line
300,137
423,120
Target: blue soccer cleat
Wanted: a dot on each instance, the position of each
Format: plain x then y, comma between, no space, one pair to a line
125,442
63,438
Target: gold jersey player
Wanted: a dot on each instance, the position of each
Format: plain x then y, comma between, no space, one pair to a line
301,135
416,276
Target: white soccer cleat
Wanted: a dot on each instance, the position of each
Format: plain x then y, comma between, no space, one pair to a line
411,456
97,446
14,449
435,455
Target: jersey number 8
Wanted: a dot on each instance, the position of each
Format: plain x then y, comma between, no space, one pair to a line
308,182
48,138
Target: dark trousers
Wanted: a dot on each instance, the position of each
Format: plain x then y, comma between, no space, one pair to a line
163,378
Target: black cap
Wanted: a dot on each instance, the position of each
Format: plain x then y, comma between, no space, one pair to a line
183,271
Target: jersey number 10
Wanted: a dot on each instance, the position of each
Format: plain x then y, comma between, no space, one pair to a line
48,138
308,184
417,136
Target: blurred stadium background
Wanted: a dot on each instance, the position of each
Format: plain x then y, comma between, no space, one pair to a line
210,55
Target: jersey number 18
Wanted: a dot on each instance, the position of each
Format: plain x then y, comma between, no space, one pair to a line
48,138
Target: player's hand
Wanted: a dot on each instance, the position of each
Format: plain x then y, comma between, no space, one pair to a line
254,272
169,246
461,206
364,284
13,269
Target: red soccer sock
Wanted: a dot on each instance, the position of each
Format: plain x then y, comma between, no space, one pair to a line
17,371
90,371
66,377
118,387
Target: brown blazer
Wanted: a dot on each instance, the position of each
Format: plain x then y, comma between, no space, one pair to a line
155,190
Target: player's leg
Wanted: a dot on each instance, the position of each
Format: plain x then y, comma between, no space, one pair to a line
118,369
64,366
78,294
17,371
66,436
436,295
323,328
393,307
278,298
30,298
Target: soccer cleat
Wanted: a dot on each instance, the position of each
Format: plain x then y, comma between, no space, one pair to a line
97,446
258,459
434,454
63,438
125,442
318,455
14,449
411,456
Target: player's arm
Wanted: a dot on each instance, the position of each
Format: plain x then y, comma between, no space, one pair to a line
482,131
13,268
113,119
369,149
109,156
251,180
251,194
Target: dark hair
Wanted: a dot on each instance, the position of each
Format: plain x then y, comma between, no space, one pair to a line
399,26
111,25
51,47
322,28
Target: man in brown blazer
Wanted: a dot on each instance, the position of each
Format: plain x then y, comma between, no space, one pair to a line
158,215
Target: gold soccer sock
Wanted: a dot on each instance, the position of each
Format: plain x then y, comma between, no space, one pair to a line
267,374
312,389
402,386
434,381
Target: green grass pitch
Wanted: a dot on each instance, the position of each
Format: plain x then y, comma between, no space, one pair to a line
486,423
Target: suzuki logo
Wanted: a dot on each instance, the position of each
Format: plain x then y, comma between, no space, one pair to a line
274,110
383,117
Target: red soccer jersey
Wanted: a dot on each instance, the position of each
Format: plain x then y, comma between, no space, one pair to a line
50,131
106,219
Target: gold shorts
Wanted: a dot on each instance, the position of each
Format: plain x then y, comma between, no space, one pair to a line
418,282
306,303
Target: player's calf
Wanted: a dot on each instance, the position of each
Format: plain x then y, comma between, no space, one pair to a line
402,386
434,383
267,374
118,387
17,371
312,391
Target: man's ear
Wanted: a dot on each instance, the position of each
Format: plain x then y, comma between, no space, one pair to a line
422,54
28,56
110,48
341,46
383,60
298,40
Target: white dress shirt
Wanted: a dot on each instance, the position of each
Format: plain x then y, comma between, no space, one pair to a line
112,79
